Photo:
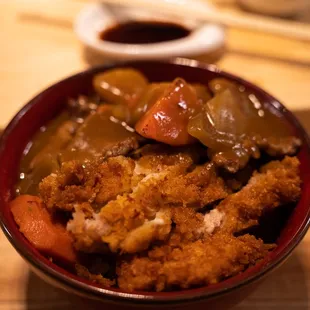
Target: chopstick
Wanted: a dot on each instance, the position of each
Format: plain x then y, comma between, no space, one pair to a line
248,21
47,20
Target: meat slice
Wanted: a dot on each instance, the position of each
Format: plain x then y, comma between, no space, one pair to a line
134,220
202,250
277,184
92,183
195,186
42,231
124,188
195,189
129,223
197,263
97,183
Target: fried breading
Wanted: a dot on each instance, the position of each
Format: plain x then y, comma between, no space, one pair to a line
134,220
128,223
95,183
196,189
130,217
146,207
188,226
202,249
159,155
277,184
198,263
98,278
98,182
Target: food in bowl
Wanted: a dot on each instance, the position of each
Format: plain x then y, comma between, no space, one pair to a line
156,186
144,32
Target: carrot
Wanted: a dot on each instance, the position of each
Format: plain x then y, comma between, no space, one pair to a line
166,121
36,223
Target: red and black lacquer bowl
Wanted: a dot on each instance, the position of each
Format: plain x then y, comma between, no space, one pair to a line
219,296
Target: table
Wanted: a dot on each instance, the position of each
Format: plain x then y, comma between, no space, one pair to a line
38,47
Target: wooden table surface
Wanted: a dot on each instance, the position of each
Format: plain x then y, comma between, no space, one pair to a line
38,47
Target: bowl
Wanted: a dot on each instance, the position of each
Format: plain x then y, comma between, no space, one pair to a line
94,18
222,295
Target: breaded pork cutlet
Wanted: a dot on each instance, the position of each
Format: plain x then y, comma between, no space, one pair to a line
278,183
140,193
93,183
198,263
133,220
146,206
98,182
203,249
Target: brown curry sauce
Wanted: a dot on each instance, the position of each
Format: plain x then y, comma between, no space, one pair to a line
219,123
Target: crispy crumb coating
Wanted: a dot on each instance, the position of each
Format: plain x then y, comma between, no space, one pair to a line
87,183
131,220
148,210
197,263
196,255
196,189
98,278
134,197
188,226
277,183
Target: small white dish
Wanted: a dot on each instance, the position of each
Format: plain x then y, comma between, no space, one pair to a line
97,17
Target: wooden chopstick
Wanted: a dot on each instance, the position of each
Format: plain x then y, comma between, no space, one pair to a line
248,21
43,19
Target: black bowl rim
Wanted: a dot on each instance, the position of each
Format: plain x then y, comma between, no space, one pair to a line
152,298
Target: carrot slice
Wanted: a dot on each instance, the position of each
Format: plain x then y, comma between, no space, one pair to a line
166,121
49,237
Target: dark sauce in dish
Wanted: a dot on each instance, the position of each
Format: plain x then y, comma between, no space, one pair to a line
144,32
